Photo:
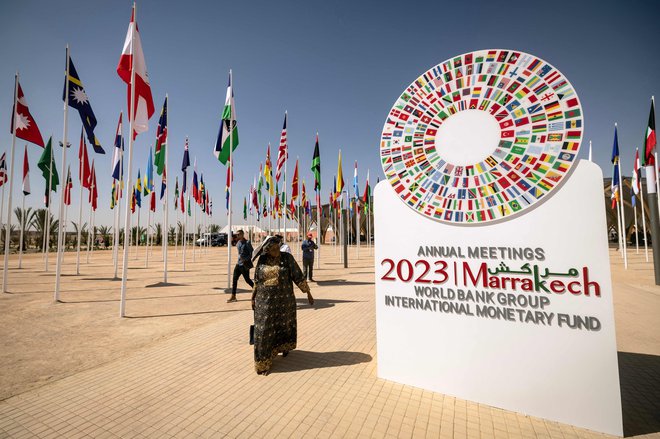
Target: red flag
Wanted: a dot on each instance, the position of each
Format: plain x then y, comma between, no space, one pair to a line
68,187
133,202
650,137
26,127
26,174
294,183
3,169
84,173
182,203
152,205
283,152
132,58
93,191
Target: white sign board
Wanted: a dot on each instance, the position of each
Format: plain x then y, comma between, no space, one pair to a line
515,314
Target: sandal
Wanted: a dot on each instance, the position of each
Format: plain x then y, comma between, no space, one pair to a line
232,299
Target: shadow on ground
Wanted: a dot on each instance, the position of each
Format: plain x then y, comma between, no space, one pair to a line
639,376
186,313
339,282
304,360
321,303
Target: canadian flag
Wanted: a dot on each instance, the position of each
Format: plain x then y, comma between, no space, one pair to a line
22,120
132,57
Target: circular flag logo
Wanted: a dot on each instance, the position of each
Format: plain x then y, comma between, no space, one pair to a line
482,137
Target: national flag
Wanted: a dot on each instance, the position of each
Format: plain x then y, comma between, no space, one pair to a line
161,140
195,185
227,186
138,190
228,128
149,175
152,203
93,191
133,201
79,100
276,207
255,200
356,189
244,208
268,173
283,152
22,120
67,187
176,193
132,59
303,196
3,169
339,185
118,151
651,142
294,184
260,184
46,162
636,186
163,186
615,173
366,197
202,190
189,211
184,167
113,194
316,165
26,174
84,171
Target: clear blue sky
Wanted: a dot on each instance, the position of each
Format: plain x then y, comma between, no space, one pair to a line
337,67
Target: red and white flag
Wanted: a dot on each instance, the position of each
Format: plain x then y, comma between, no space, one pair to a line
651,140
3,169
22,120
283,153
84,172
93,192
152,201
26,173
68,187
131,58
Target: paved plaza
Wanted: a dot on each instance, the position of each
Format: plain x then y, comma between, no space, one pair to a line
180,364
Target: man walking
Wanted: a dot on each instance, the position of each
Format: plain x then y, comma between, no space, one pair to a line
308,247
244,263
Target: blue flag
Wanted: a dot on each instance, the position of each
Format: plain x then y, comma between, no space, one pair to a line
79,100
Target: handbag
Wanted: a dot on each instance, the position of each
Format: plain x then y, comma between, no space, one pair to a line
251,334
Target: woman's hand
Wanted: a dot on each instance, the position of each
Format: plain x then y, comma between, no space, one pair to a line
310,299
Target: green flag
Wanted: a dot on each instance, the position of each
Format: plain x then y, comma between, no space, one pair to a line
228,128
316,166
45,162
244,208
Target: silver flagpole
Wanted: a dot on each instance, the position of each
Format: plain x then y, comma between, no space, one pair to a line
127,216
11,186
48,186
20,240
231,172
167,194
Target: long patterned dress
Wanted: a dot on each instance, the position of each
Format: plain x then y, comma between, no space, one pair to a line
275,326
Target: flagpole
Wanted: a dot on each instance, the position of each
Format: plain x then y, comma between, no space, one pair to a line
146,259
48,191
286,160
60,252
115,230
80,174
89,232
636,231
93,231
657,181
166,241
119,196
646,246
127,216
623,216
590,151
11,185
194,212
20,240
185,229
231,174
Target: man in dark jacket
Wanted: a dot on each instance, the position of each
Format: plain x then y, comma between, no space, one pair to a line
244,263
308,247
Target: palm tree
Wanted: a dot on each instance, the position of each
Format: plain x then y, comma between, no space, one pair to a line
105,231
25,218
159,234
171,235
83,232
214,228
39,223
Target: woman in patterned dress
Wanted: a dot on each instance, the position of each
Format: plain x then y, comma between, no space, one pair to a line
274,305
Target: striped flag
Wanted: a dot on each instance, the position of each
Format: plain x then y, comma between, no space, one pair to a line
636,187
339,185
26,173
117,167
84,171
161,140
316,165
228,127
650,138
356,189
283,152
268,173
615,172
67,187
3,169
366,197
184,167
132,60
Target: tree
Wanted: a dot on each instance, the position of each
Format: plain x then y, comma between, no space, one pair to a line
159,234
105,231
214,228
39,223
171,235
27,214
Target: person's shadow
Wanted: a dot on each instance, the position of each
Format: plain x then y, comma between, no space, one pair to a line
304,360
320,303
639,377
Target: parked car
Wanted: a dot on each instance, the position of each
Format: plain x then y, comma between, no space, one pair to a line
216,239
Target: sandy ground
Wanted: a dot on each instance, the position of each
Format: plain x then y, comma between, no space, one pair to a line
43,341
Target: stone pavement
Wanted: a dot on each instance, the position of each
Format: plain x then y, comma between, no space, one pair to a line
201,383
